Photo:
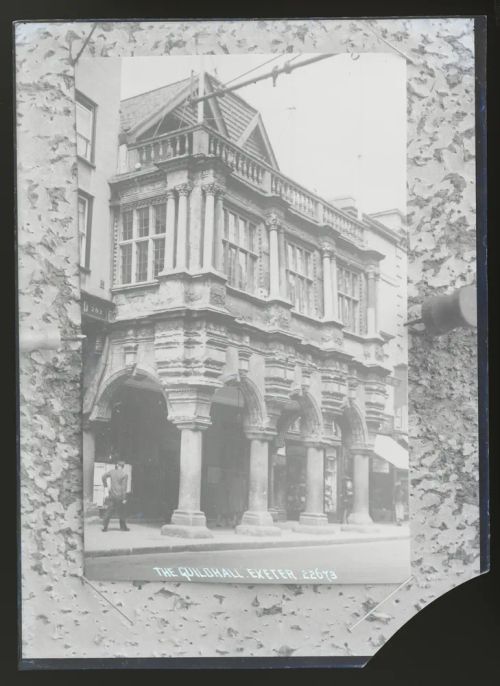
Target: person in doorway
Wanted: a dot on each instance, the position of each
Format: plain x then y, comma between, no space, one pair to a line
347,500
117,497
399,504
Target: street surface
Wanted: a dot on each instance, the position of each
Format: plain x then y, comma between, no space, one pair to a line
360,563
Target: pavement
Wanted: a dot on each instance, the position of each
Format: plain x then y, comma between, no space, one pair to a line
381,561
144,538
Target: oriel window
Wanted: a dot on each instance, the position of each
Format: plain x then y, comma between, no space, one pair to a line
142,234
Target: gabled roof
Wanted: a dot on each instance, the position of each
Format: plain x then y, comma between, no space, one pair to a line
150,113
133,110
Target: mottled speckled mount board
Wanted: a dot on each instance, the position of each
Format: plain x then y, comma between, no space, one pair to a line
62,617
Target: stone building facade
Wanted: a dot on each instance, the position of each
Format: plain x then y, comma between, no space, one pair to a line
254,340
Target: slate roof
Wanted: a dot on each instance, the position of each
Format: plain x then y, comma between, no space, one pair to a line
236,112
135,109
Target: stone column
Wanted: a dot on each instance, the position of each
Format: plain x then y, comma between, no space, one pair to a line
182,226
282,262
189,410
188,511
371,305
361,483
257,520
170,229
274,261
208,226
327,284
219,230
335,296
314,515
277,484
188,520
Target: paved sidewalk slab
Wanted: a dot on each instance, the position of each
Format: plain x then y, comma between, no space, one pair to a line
147,538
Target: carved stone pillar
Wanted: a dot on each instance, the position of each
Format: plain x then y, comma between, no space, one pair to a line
335,296
189,410
277,484
274,260
209,226
371,305
282,262
170,228
257,520
361,483
188,511
314,515
182,226
327,284
219,230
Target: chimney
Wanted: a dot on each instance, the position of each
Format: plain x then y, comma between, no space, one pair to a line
393,219
347,204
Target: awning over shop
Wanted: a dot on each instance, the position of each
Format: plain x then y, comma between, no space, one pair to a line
387,448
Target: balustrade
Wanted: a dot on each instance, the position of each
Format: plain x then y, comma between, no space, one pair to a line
247,168
164,148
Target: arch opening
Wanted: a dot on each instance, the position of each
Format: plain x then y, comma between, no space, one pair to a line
226,455
298,424
134,427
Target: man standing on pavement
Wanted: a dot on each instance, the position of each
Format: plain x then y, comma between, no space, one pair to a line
116,501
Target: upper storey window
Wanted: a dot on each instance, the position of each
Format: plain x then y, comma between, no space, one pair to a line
84,227
348,288
240,251
85,127
142,243
299,272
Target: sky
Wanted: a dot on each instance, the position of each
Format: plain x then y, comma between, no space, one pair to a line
337,126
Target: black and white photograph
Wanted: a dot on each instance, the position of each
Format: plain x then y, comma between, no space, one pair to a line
251,353
243,273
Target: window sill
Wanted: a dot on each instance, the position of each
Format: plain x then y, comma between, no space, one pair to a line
89,163
246,294
362,337
134,286
309,317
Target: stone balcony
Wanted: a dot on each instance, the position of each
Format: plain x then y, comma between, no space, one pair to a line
200,140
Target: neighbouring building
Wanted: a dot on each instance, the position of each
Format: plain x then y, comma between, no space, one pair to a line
97,109
246,352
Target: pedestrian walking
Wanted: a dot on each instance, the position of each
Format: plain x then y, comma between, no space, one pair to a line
117,497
